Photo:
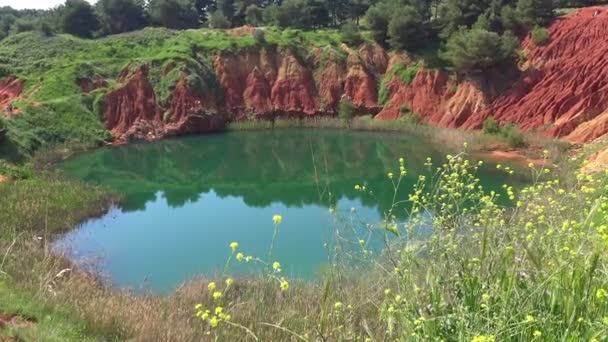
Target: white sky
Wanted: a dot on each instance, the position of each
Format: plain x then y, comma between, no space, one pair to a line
34,4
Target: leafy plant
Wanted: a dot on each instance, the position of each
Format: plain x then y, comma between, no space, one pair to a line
540,36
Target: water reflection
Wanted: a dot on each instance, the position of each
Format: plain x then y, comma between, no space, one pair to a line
187,199
295,168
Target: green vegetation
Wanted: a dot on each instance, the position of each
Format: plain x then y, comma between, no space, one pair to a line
540,36
510,132
491,126
477,49
346,110
404,73
58,112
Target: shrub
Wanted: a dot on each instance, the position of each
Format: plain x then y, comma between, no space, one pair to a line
410,118
513,136
346,109
350,34
478,49
45,29
253,15
540,36
405,29
490,126
259,36
218,20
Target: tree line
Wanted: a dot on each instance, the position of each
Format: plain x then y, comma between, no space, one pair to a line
474,34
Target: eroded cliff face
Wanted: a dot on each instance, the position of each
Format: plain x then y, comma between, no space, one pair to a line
10,89
132,112
565,89
561,90
275,81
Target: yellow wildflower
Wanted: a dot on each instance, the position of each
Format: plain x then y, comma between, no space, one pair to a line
229,281
484,338
277,219
276,266
240,256
214,322
211,286
234,245
217,295
284,284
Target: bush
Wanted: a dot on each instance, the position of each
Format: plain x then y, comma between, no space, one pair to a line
259,36
490,126
23,25
477,49
346,109
405,29
218,20
513,136
377,18
79,18
253,15
410,118
540,36
45,29
350,34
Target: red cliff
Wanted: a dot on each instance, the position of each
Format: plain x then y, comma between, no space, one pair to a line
561,90
10,89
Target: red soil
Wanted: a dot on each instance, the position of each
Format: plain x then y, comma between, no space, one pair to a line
294,90
191,112
562,90
568,92
131,111
10,89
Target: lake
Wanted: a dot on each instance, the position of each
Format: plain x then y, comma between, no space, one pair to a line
187,199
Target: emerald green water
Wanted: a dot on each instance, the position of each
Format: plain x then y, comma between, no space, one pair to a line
186,199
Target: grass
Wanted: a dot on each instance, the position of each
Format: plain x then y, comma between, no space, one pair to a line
404,73
42,322
411,124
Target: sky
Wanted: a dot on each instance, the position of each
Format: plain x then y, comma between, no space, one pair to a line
33,4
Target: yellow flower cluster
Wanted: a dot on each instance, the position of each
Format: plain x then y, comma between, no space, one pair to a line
214,319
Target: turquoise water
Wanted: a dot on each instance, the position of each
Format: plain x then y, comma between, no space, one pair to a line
186,199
